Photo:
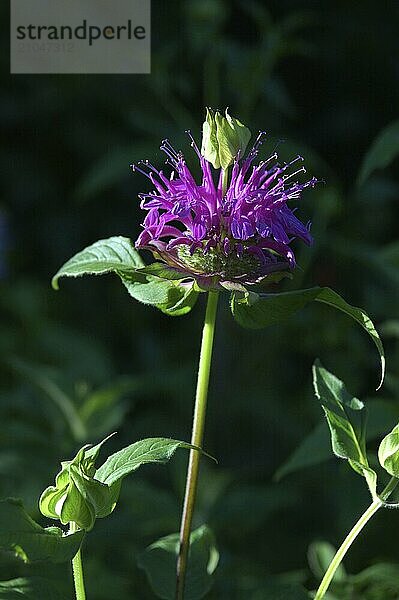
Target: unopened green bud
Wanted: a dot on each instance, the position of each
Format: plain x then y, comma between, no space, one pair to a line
77,496
224,138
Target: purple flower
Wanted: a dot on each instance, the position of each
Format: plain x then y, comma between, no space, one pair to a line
242,235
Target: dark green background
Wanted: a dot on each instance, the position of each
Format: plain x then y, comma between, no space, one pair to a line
323,76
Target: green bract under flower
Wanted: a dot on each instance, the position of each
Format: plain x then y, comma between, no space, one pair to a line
213,262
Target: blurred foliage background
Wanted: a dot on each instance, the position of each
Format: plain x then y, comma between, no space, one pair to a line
323,77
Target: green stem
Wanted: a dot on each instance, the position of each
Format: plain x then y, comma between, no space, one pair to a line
225,180
77,569
196,440
352,535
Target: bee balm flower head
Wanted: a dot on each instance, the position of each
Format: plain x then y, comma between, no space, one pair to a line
241,231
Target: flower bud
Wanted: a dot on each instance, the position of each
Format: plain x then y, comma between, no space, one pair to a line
77,496
224,139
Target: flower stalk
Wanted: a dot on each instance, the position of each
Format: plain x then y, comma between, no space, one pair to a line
77,569
377,503
196,440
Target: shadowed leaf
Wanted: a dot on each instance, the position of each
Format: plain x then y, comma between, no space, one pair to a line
256,311
382,151
159,563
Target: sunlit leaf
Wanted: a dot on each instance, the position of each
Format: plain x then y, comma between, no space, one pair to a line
388,452
129,459
118,255
346,417
113,255
20,533
186,298
148,289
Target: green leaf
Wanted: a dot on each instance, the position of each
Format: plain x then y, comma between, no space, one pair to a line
320,555
129,459
102,497
346,417
38,376
381,578
382,151
315,448
186,297
178,298
281,591
19,532
103,409
32,588
117,255
91,454
388,452
148,289
113,255
164,271
159,563
256,311
110,168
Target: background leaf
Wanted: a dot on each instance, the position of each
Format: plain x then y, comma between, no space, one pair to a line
313,450
159,563
282,591
31,588
320,555
382,151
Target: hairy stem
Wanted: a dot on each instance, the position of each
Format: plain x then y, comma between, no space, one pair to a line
196,440
77,569
352,535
